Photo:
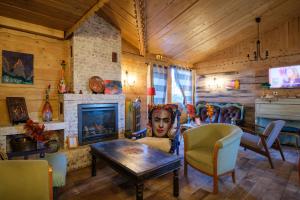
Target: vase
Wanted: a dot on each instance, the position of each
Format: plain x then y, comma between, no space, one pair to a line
47,112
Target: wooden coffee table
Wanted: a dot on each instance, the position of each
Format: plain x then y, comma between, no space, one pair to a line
138,162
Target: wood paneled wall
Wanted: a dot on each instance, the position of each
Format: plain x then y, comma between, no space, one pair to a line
136,67
48,54
283,44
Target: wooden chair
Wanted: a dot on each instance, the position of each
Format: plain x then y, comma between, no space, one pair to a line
261,142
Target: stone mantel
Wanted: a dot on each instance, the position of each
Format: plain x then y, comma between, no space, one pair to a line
17,129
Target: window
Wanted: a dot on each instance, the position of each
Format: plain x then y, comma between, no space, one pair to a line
181,85
160,74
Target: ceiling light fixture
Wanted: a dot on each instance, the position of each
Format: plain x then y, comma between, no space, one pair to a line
256,53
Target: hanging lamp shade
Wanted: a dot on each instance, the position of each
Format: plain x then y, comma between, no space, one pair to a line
151,91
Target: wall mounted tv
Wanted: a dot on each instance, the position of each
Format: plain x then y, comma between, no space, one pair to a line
285,77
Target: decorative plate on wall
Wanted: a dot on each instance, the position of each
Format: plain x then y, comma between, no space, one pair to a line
96,84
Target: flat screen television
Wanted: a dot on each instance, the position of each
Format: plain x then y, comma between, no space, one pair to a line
285,77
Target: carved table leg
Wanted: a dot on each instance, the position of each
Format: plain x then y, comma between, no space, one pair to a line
94,171
139,191
175,183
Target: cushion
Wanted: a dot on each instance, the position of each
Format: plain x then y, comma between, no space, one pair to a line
204,117
201,158
24,179
161,119
228,113
251,140
163,144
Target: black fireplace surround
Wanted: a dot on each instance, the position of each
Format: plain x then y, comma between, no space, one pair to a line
97,122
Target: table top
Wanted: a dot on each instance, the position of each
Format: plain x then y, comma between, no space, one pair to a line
136,157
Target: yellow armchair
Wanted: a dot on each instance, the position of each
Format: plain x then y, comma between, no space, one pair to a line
26,180
212,149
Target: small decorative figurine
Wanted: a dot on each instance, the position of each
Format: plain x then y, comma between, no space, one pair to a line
62,85
47,109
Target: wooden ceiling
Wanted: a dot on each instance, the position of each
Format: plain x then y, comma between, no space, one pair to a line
57,14
186,30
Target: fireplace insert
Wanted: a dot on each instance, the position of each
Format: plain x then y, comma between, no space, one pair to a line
97,122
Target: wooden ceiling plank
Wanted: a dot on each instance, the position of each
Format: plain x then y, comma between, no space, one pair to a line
228,22
167,14
39,7
89,13
32,17
75,7
30,28
141,24
275,14
118,18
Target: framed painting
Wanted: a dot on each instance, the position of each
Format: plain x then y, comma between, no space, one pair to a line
17,110
17,67
112,87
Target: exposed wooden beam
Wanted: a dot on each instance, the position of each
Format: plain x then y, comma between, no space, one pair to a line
89,13
141,24
19,25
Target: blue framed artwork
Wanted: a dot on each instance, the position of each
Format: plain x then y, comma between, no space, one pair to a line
17,67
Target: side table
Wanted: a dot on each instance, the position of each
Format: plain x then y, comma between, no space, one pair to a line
25,154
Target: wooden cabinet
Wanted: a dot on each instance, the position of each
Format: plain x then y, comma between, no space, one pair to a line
133,116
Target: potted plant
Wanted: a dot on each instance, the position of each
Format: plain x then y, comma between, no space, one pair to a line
265,86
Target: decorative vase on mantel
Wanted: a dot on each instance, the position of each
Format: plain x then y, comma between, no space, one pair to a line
47,109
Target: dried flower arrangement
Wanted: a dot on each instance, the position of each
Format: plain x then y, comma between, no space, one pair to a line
35,130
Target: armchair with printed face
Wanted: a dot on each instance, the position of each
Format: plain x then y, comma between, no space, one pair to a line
163,128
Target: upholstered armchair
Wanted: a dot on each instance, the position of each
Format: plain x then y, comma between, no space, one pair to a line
205,118
262,142
212,149
163,128
25,179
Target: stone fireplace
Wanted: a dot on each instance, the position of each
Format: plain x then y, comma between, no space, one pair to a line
97,122
73,104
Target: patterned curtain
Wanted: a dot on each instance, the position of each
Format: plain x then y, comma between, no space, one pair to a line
160,74
183,79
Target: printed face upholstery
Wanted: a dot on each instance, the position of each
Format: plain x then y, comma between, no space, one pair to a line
204,117
161,119
228,113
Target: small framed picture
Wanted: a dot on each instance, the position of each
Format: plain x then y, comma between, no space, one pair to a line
72,141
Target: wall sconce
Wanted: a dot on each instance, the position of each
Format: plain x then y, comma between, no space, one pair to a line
214,83
128,80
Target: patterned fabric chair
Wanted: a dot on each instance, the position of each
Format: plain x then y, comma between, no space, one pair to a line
212,149
163,128
223,112
261,142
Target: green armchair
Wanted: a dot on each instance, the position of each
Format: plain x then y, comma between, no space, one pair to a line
212,149
26,180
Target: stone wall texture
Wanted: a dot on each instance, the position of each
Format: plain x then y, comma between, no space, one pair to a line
93,44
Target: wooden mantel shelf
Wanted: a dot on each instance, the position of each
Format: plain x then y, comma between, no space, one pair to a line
17,129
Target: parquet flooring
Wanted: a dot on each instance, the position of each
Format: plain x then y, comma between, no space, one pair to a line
255,180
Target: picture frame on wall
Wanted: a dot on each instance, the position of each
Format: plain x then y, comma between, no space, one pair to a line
17,68
72,141
17,110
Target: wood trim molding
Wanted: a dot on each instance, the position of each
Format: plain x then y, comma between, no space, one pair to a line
50,171
27,27
86,15
140,6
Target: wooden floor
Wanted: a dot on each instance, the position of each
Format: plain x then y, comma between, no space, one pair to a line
255,180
